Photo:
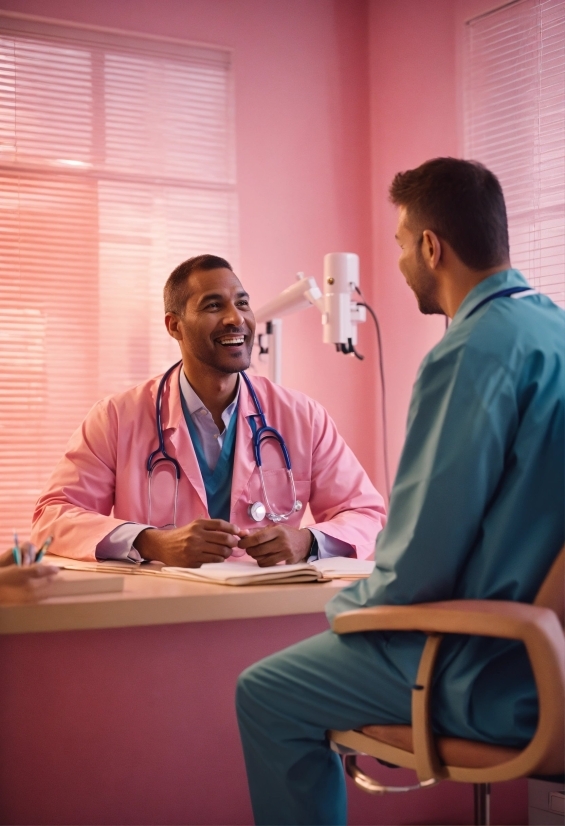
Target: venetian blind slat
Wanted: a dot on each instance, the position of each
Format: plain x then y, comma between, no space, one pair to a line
116,163
514,77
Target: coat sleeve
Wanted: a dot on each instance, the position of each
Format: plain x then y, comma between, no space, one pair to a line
463,414
76,504
343,501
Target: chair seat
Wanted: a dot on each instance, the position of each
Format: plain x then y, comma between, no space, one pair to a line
453,751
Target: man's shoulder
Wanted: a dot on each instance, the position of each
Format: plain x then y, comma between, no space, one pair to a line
132,397
513,331
505,340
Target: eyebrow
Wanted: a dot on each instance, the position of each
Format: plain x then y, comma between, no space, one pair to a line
220,297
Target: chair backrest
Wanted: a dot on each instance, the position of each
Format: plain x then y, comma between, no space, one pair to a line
552,592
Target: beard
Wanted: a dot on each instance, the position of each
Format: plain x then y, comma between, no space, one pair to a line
424,287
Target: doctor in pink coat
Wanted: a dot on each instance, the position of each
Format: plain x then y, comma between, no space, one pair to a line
195,504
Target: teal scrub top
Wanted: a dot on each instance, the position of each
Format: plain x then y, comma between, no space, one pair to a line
217,482
478,505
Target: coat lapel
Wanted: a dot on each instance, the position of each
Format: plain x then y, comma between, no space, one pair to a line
244,460
176,432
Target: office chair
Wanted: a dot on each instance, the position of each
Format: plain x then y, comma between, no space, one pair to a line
434,758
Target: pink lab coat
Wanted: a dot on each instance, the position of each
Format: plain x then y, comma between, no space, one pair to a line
102,481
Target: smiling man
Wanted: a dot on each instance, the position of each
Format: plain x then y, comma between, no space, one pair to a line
166,471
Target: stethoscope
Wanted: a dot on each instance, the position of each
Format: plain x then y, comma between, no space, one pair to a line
260,433
508,292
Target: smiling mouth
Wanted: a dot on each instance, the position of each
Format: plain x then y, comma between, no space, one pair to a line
231,341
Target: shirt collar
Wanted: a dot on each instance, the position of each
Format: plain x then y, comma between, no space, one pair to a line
491,285
194,402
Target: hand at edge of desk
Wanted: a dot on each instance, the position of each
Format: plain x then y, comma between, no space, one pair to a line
28,553
24,584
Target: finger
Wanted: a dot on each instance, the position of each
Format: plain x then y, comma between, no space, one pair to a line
28,552
266,548
43,571
219,525
259,537
216,550
207,558
213,558
218,538
270,559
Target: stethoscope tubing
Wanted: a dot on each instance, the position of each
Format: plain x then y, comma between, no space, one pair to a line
151,461
506,293
259,435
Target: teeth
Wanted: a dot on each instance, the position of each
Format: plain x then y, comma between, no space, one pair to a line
232,340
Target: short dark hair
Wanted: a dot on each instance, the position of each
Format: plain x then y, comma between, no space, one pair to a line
175,292
462,202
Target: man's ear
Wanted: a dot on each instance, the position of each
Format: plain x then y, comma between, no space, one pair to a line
172,325
431,248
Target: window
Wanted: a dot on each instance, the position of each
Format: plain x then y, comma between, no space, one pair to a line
515,124
116,164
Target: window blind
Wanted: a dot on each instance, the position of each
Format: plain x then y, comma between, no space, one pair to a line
116,164
514,79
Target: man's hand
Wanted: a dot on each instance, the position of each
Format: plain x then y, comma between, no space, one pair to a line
18,584
204,540
278,543
27,551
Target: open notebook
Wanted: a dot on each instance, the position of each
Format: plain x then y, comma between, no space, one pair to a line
233,573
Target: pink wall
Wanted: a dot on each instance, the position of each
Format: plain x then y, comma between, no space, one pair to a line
303,157
333,97
413,118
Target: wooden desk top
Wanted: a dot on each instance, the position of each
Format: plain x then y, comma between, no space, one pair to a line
148,600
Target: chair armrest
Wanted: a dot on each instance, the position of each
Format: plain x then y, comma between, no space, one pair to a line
489,618
538,628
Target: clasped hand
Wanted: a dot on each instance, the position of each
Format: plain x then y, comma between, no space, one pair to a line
213,540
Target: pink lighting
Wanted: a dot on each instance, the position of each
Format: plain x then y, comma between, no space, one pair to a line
332,98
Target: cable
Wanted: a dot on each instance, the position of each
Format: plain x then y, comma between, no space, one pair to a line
348,350
383,388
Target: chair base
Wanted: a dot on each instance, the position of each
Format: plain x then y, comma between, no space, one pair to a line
481,791
481,797
372,786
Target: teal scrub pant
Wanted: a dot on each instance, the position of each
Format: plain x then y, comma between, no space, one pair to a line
288,701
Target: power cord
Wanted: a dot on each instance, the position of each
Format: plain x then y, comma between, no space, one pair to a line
373,315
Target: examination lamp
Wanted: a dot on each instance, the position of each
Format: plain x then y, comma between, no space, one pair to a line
340,312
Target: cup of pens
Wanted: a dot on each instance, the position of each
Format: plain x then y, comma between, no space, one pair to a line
26,553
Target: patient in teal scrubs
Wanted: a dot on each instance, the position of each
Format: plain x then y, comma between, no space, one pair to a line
477,511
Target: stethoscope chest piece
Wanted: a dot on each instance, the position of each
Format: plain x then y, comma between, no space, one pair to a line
257,511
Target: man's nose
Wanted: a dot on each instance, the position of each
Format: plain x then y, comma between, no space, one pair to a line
233,317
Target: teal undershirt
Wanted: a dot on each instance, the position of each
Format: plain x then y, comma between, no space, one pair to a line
217,482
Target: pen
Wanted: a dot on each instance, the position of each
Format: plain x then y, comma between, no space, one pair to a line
16,553
44,548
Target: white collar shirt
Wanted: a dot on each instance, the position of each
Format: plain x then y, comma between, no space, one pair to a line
210,437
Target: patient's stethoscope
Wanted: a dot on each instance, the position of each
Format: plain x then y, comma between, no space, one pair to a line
260,433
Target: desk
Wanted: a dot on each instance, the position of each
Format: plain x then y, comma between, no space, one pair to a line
118,708
152,600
